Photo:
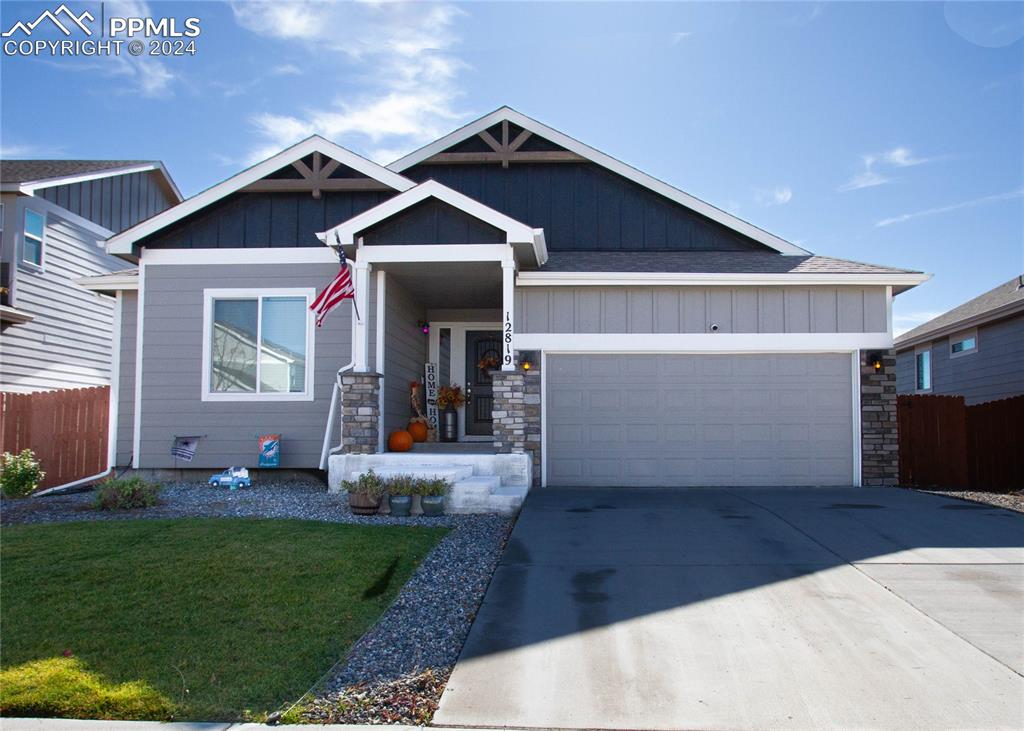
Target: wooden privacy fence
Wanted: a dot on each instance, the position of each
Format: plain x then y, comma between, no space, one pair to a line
67,430
945,443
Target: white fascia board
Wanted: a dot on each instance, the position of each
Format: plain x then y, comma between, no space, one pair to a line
29,187
433,253
703,342
617,166
122,243
540,246
267,255
109,282
515,232
607,279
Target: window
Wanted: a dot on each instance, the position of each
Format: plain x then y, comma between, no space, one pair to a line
923,365
257,345
32,242
963,343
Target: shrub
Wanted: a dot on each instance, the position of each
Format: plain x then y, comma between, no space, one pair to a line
126,493
401,485
20,474
432,487
369,484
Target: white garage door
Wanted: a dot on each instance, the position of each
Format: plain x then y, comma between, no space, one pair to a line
662,420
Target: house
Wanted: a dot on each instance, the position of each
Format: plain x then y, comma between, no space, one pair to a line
975,350
608,328
55,217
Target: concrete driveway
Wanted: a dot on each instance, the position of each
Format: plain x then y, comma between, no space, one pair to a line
749,609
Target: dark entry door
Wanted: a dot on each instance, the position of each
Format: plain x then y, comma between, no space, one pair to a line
481,346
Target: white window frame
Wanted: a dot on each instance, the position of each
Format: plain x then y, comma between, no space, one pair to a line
42,241
959,338
209,295
927,348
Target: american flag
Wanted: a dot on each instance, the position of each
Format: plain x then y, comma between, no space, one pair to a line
337,291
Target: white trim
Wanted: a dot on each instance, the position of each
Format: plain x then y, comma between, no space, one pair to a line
508,309
596,156
961,336
543,418
858,474
610,279
122,243
918,350
703,342
209,295
22,261
140,318
379,359
433,253
113,282
888,310
29,187
361,333
269,255
115,381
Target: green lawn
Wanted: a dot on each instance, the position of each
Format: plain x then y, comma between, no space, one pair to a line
190,619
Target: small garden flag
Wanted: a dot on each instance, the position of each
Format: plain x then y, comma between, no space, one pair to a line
185,448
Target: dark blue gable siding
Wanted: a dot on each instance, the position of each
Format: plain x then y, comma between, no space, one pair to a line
264,220
583,206
433,222
116,202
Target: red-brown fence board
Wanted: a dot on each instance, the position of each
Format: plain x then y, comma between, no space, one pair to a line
945,443
67,430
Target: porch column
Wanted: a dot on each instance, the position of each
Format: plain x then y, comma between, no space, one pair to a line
508,296
360,331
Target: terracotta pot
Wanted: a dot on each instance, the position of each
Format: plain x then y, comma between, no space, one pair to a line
363,504
418,430
400,441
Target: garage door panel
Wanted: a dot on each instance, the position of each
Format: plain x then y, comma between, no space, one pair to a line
699,420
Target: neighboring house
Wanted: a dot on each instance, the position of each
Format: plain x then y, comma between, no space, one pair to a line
975,350
56,216
640,335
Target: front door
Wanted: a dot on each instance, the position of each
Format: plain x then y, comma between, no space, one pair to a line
483,354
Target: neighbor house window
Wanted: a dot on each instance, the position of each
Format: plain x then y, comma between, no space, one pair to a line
923,365
258,345
32,242
963,343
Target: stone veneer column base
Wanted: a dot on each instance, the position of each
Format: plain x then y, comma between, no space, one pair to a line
360,413
880,456
516,413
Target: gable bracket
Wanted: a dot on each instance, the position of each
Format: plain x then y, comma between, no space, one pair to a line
314,180
505,151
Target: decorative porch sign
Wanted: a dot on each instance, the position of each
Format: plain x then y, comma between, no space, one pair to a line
430,386
506,340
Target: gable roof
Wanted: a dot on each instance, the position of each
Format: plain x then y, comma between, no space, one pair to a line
123,243
997,303
515,231
27,176
600,158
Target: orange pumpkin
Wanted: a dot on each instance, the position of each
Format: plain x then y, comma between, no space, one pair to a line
418,430
400,441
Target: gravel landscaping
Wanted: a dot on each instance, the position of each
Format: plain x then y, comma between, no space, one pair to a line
396,671
1008,500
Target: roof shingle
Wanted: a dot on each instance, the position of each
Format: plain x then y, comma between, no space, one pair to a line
26,171
710,262
997,298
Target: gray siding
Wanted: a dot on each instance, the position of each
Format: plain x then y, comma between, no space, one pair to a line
995,371
126,379
583,206
405,351
263,220
695,309
117,202
432,222
69,343
172,371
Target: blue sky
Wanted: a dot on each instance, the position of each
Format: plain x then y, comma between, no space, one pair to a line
891,133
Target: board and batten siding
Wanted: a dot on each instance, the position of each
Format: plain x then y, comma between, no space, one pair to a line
69,342
405,352
126,379
595,309
994,372
172,366
115,202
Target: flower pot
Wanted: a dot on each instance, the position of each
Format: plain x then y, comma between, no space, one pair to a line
450,425
400,505
363,504
433,505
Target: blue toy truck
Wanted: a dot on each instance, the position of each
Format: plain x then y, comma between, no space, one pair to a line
232,477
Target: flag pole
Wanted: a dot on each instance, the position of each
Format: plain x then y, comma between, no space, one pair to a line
344,262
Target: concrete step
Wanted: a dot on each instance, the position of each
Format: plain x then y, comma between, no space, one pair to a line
452,473
489,483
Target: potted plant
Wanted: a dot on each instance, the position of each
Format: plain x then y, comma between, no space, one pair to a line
432,493
364,493
450,398
400,491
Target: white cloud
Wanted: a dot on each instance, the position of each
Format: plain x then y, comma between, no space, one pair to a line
151,77
681,36
905,322
870,175
286,69
778,196
402,53
953,207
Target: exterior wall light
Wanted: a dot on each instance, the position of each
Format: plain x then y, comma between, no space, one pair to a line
527,365
875,361
424,327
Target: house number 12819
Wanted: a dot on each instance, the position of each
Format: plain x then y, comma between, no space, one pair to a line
508,338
